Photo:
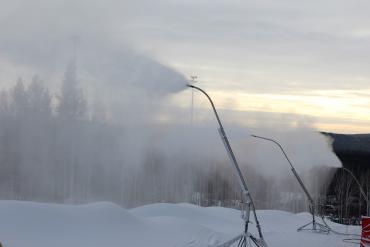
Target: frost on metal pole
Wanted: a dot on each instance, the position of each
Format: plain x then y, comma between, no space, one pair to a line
249,204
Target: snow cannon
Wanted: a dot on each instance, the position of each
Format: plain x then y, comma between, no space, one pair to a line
246,237
313,225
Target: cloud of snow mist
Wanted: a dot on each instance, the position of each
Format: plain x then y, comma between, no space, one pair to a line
194,155
309,151
306,148
153,161
42,36
125,89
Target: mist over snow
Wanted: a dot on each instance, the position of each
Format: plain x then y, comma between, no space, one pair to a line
195,157
104,128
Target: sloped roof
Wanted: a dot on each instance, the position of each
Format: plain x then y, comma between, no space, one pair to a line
346,143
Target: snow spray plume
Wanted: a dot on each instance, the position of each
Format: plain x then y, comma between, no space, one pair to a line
129,153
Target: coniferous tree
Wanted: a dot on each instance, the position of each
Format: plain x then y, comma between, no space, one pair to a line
39,130
4,103
18,124
72,104
39,99
5,168
19,102
71,110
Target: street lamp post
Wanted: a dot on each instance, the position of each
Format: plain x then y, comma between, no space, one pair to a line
248,198
193,79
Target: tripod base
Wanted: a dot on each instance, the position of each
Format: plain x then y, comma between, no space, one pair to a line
313,226
245,239
253,241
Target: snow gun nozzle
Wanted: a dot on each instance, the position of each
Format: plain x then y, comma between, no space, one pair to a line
189,85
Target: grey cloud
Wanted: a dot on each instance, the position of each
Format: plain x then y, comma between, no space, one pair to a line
310,45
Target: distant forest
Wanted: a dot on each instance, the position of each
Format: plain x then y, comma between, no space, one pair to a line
50,148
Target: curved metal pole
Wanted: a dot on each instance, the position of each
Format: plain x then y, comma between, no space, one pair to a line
362,192
293,170
315,226
210,100
230,152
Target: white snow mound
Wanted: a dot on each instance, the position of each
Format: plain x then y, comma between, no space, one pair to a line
103,224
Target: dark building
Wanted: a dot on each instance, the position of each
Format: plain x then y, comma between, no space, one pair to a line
345,203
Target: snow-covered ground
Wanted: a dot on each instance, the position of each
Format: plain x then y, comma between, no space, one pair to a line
29,224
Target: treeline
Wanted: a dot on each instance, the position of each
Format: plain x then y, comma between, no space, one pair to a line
53,149
50,149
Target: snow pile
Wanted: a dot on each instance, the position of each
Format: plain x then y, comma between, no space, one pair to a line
158,225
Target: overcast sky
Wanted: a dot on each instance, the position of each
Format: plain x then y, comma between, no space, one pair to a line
308,58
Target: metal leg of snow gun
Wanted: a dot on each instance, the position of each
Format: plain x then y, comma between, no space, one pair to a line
313,225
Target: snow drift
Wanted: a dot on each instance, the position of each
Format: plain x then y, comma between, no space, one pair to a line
159,225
